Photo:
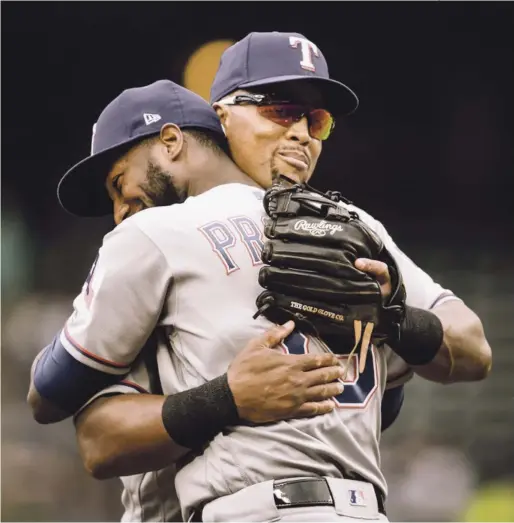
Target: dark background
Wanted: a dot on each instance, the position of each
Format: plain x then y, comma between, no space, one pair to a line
435,82
429,152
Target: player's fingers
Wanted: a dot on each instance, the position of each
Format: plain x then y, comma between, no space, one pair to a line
323,375
374,267
312,408
308,362
324,392
272,337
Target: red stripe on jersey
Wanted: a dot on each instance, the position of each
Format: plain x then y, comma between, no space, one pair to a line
90,355
442,296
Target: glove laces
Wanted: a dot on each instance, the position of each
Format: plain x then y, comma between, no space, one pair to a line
364,340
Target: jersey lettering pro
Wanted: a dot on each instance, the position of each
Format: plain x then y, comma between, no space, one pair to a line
189,273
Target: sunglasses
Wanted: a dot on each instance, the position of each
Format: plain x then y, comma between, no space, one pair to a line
321,122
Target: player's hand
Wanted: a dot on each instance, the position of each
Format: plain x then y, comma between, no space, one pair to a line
380,271
269,385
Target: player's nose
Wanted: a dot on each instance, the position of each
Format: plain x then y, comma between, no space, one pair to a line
299,131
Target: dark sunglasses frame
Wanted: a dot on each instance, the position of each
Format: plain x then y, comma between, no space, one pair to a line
265,99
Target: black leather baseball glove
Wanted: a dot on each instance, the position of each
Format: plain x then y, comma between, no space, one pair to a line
309,274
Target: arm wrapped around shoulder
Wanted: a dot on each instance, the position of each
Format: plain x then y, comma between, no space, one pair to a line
309,273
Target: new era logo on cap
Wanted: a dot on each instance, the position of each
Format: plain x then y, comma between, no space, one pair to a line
151,118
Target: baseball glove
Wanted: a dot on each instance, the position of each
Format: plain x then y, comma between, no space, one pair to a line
309,274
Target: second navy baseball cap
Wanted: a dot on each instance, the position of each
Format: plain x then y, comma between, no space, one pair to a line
134,115
268,58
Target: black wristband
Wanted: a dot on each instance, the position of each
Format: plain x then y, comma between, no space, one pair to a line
193,417
421,336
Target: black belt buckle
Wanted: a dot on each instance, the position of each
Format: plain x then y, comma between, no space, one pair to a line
302,493
308,492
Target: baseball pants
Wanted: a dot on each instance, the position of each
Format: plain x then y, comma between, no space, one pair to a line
299,499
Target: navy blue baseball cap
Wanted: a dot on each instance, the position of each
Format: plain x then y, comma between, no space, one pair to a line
269,58
134,115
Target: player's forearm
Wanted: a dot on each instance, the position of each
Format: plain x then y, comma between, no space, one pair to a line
124,435
465,354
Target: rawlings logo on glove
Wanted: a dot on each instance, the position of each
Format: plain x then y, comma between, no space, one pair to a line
317,229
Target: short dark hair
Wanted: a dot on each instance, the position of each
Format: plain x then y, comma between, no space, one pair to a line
209,139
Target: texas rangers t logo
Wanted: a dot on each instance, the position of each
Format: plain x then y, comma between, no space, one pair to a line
307,48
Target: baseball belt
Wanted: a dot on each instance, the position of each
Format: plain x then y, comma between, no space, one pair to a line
305,492
309,492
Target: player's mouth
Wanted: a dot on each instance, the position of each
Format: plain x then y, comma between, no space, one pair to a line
295,158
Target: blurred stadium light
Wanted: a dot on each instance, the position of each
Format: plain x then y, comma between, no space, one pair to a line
202,65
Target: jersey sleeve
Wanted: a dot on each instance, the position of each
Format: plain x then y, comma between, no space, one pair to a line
120,303
422,291
114,315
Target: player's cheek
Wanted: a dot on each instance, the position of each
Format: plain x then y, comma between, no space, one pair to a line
267,132
133,191
315,149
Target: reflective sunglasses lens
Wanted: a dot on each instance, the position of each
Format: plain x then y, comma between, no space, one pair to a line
321,124
281,114
320,121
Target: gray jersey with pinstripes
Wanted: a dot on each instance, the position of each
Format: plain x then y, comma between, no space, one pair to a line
193,269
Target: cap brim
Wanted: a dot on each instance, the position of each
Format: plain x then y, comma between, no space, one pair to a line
339,98
82,190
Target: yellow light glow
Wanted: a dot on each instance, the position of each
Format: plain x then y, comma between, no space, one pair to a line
202,66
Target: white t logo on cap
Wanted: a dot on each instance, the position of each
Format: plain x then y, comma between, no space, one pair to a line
308,48
93,137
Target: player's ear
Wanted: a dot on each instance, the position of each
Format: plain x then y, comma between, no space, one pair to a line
173,139
223,113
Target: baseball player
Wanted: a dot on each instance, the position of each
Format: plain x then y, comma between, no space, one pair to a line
65,361
249,132
258,99
249,92
154,503
69,365
355,496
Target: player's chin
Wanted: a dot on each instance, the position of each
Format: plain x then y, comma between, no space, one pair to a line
295,176
296,173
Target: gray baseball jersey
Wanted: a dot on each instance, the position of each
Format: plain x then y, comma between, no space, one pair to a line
188,273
